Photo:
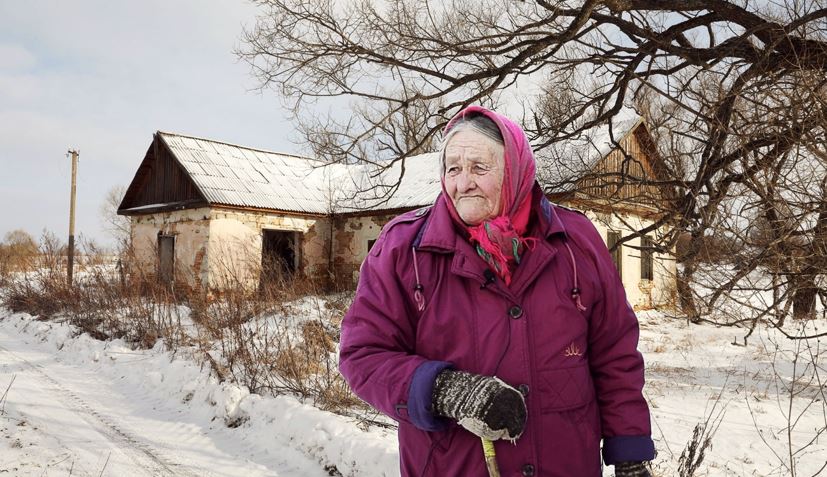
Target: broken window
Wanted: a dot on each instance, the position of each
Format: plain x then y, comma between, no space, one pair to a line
279,256
646,259
612,238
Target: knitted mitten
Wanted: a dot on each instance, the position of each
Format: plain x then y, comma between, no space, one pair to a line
484,405
632,469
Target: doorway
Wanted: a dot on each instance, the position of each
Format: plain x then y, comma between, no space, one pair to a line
166,258
279,256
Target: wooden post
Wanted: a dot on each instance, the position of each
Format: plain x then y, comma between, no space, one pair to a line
70,268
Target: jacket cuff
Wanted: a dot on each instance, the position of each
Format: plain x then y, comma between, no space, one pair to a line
420,392
627,449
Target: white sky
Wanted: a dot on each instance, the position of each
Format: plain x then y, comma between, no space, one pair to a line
102,76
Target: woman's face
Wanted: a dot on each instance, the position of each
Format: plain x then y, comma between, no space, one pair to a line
474,168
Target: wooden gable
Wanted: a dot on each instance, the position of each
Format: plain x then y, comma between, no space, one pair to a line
160,184
627,176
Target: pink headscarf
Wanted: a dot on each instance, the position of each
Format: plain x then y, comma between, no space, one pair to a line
501,240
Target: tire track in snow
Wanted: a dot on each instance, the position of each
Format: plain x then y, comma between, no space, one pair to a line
144,456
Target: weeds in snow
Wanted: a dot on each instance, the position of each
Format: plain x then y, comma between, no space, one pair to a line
105,464
273,340
695,451
799,390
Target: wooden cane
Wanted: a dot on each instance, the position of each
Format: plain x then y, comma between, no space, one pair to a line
490,457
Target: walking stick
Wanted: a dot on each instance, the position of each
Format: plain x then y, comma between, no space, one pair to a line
490,457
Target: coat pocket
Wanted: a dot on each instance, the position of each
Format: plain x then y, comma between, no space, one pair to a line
565,389
570,421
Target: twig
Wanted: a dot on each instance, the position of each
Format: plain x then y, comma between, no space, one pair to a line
5,394
665,441
790,425
694,452
105,464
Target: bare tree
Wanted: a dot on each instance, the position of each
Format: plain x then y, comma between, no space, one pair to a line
116,225
769,202
731,90
18,251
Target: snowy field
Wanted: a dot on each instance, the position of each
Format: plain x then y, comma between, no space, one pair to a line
695,373
75,406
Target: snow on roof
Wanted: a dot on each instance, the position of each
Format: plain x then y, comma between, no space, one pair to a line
160,205
245,177
233,175
560,164
371,189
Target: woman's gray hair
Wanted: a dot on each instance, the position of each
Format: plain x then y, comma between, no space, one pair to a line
476,122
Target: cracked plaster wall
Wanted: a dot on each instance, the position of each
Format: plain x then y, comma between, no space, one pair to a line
218,248
351,236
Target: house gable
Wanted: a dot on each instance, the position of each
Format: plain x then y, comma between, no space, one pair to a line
160,184
628,175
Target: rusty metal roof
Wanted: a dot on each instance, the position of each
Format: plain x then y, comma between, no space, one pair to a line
371,189
557,168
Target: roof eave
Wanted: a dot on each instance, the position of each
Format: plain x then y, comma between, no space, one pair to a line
170,207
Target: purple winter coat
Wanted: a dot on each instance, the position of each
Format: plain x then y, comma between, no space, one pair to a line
580,371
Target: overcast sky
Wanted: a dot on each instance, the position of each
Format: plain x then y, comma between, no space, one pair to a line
102,76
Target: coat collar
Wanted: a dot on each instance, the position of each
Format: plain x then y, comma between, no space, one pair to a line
546,212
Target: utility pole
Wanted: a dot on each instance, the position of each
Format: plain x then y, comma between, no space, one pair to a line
74,154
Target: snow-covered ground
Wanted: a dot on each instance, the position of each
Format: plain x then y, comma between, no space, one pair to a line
77,406
81,407
695,372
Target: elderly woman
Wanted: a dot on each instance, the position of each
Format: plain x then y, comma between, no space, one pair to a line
495,314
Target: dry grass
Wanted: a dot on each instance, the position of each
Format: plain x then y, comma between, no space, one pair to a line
254,338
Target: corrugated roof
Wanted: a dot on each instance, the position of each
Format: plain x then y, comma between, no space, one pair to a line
240,176
233,175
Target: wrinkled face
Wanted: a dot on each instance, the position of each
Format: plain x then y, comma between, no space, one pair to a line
474,168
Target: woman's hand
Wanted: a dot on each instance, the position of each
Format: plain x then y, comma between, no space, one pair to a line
632,469
484,405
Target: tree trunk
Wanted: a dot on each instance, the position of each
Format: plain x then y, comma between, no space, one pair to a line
804,297
685,297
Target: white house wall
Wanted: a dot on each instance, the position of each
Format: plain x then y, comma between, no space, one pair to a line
642,294
351,244
191,231
236,241
220,248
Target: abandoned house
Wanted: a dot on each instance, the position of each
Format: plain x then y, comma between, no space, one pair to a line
210,214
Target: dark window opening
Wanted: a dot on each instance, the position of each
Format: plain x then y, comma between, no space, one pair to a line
279,258
646,259
166,258
612,238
